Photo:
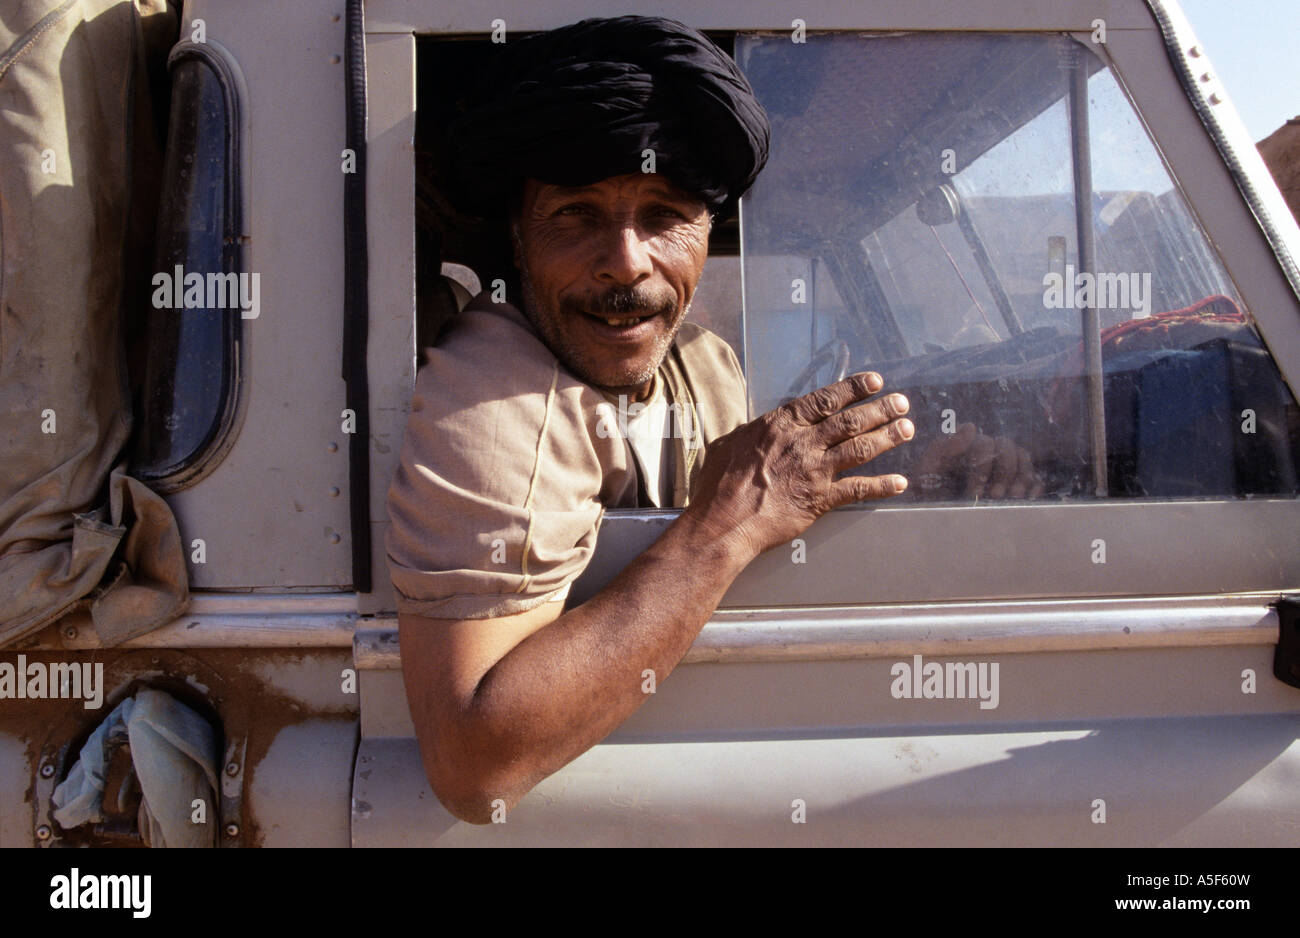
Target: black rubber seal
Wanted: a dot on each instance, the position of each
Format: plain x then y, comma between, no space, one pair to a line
356,309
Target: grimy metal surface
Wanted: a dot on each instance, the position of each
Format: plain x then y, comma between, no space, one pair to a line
286,718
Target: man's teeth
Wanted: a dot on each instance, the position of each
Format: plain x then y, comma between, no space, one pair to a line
623,322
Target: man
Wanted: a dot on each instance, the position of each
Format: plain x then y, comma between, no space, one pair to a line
509,461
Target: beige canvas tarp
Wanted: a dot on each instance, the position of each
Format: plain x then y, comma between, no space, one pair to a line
79,164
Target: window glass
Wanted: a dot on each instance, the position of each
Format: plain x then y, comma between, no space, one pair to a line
919,216
189,384
716,303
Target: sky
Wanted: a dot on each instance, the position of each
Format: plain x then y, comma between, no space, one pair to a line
1254,46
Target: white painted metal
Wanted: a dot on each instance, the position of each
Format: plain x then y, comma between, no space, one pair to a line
1182,782
890,631
266,512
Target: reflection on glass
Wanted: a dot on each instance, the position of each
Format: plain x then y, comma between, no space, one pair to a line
918,217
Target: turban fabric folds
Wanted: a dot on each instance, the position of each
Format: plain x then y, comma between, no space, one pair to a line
581,103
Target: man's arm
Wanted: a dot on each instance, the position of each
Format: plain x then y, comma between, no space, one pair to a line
499,704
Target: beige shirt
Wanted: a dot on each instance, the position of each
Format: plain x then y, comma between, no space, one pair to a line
510,460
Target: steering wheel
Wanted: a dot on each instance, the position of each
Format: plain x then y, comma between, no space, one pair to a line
836,351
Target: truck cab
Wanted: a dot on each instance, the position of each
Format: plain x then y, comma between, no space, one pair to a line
1045,221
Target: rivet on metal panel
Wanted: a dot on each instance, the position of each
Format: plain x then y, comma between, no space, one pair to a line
43,832
1215,99
335,60
70,632
1206,76
1194,52
47,770
335,491
232,829
331,447
232,769
334,538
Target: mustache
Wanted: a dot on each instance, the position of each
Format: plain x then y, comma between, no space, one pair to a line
624,301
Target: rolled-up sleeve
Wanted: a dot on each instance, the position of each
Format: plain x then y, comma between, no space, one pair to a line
503,477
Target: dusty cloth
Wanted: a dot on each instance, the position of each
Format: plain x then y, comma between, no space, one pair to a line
173,753
583,102
79,161
509,462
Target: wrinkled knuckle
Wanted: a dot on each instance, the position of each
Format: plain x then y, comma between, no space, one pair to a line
872,487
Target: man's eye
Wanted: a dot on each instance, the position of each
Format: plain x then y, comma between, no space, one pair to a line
572,210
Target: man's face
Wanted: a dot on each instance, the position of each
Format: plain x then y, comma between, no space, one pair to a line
608,271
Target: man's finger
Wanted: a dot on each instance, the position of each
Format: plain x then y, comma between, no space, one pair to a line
980,465
853,421
1037,487
940,455
1006,462
817,405
1024,475
862,488
867,446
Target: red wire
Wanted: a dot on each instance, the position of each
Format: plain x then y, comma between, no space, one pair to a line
957,270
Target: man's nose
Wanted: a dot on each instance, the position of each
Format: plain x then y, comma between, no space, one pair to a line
624,258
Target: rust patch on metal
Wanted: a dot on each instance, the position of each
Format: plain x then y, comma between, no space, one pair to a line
241,704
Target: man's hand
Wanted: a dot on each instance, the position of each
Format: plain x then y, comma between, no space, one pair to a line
499,704
993,467
768,480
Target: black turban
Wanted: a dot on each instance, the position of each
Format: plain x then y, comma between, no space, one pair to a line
580,103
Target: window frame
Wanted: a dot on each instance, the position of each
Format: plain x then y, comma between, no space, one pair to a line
228,414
